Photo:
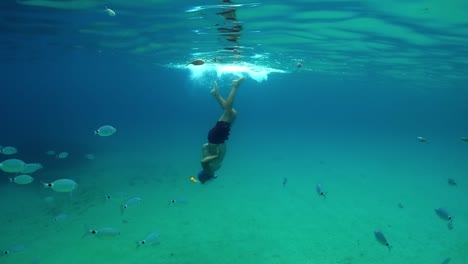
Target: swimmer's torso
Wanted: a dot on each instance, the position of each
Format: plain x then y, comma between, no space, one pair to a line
212,150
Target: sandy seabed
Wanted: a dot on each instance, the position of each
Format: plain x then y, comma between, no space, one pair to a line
246,215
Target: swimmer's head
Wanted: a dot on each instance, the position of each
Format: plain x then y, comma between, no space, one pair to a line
203,176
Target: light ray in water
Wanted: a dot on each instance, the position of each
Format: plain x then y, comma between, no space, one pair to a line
255,72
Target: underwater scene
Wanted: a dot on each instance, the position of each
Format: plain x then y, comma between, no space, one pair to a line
232,131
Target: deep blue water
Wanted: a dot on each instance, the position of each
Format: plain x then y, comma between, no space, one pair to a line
54,102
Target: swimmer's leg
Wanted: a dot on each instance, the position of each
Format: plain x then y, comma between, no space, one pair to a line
229,102
229,113
215,93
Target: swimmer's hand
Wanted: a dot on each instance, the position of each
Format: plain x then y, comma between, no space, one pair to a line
215,90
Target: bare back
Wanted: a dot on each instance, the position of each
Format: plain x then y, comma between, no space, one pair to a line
217,151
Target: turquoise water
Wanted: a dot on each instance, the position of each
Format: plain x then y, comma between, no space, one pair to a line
374,76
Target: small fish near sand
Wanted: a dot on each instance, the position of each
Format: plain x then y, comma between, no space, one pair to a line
61,185
421,139
285,182
451,182
180,200
60,218
12,165
196,62
150,239
8,150
12,250
62,155
320,191
50,153
381,238
117,197
130,203
105,131
446,261
109,11
465,139
103,233
443,214
22,179
31,168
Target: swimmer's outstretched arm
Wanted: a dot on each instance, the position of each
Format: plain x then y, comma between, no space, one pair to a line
209,159
215,93
214,155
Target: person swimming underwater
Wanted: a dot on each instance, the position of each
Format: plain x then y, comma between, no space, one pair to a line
214,151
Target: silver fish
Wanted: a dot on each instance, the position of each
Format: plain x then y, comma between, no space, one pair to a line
320,190
381,238
180,200
129,203
150,239
443,214
451,182
13,249
60,218
103,233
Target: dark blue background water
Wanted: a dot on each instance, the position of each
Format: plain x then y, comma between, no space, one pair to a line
57,100
49,103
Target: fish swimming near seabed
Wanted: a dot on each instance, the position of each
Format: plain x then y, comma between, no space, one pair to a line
285,181
12,249
442,213
130,203
446,261
102,233
381,238
422,139
320,191
109,11
451,182
150,239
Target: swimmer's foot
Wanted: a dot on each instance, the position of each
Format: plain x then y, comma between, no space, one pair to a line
215,90
237,83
